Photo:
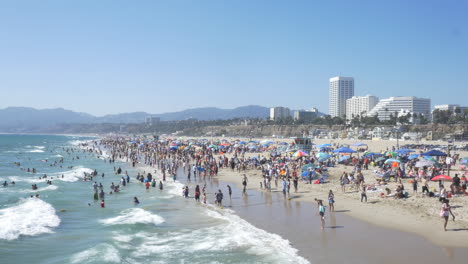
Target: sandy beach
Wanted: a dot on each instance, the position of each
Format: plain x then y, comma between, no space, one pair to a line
416,214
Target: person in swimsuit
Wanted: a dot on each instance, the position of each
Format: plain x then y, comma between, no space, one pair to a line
331,201
321,213
446,210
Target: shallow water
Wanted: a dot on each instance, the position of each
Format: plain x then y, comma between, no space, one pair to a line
65,225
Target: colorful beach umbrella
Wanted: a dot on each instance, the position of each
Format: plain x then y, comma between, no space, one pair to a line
391,161
442,178
300,153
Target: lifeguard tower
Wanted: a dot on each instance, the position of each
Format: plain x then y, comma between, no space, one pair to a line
302,143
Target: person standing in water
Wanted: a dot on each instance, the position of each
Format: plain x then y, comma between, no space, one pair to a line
446,210
230,192
244,183
160,185
219,198
321,209
197,193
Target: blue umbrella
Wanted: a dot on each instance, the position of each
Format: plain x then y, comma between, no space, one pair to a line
404,151
344,150
242,143
221,147
373,154
359,144
413,156
434,152
283,143
324,145
305,173
254,141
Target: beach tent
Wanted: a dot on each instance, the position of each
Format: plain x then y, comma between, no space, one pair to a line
344,150
442,178
434,152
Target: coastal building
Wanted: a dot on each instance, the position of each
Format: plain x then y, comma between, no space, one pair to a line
360,105
450,107
401,104
340,89
152,120
279,113
305,116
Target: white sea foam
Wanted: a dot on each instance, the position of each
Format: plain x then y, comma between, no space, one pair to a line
36,151
77,142
72,175
230,235
134,216
174,188
22,179
101,253
30,218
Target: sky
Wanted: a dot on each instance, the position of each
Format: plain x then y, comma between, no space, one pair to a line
104,57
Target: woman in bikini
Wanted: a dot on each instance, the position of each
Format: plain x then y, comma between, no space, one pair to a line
445,212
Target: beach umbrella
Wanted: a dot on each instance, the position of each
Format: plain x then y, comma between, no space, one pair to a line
268,142
254,141
391,161
322,159
464,161
323,145
252,147
322,154
434,152
300,153
413,156
372,154
306,167
242,143
283,143
404,151
221,146
344,150
380,159
391,153
305,173
173,148
359,144
213,146
424,163
442,178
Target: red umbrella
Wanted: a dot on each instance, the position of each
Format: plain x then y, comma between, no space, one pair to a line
442,177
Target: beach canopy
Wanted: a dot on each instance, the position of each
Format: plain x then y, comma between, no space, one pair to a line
344,150
442,178
359,144
434,152
424,163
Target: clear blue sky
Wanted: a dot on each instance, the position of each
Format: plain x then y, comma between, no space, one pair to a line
113,56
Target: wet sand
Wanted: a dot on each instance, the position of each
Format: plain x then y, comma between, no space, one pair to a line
344,240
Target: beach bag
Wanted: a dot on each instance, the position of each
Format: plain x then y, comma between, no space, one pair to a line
441,213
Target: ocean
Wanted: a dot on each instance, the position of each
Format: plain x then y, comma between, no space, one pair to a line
66,225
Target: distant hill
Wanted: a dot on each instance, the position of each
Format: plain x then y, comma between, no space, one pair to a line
26,119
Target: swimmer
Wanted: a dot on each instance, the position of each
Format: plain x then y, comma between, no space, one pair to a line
135,200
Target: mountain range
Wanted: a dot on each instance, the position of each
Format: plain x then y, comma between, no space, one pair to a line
17,119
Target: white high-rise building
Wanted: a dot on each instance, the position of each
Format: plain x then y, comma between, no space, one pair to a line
277,113
340,89
409,104
358,105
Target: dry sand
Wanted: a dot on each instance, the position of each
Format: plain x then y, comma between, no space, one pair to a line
417,214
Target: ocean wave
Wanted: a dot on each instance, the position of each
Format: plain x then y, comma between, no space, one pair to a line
77,142
72,175
101,253
230,235
35,151
134,216
30,218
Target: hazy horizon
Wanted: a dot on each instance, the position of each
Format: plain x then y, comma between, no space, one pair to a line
108,57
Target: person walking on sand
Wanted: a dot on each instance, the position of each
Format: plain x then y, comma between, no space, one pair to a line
331,201
363,192
446,209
